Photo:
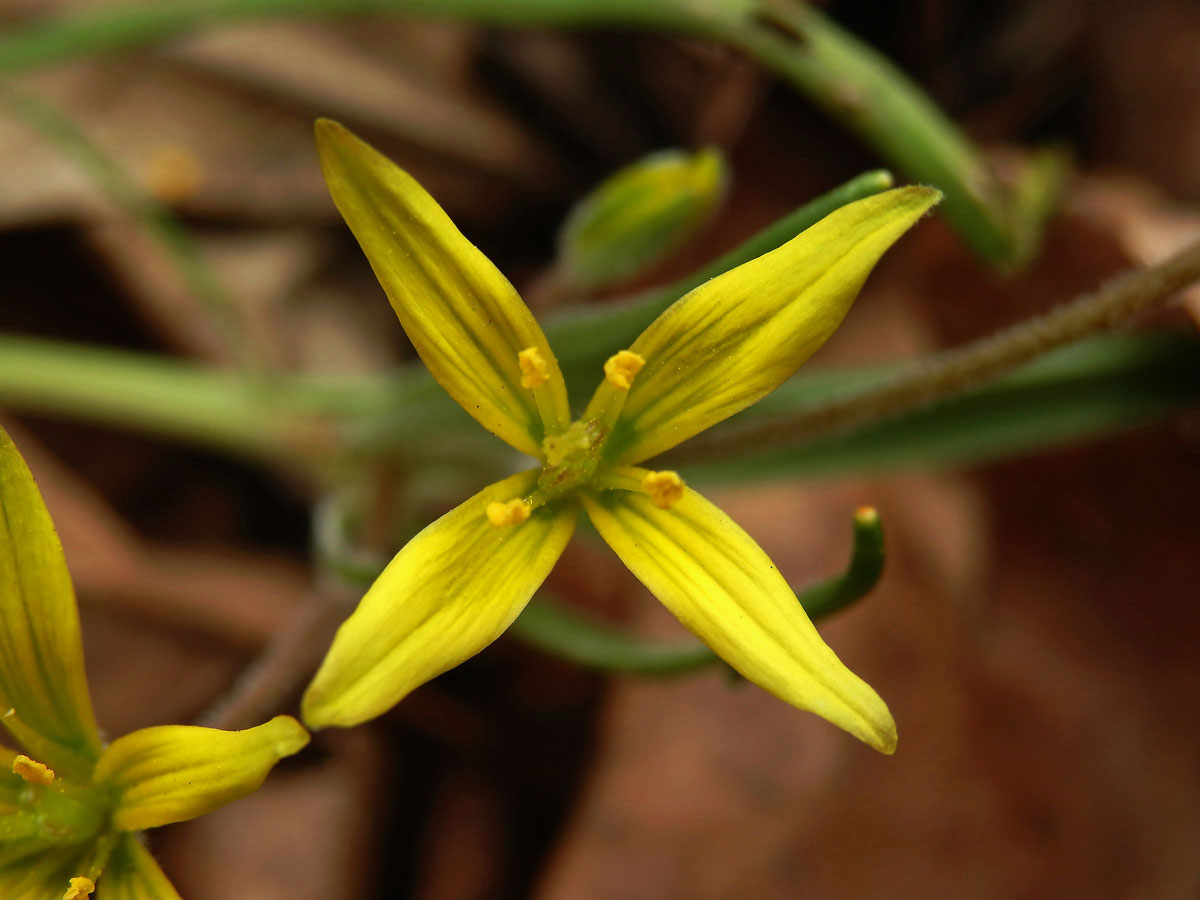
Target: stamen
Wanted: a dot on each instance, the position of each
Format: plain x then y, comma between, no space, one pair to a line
31,770
80,889
620,369
533,368
665,488
514,512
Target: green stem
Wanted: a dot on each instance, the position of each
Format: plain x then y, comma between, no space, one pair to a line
582,640
868,95
150,393
852,82
106,30
958,371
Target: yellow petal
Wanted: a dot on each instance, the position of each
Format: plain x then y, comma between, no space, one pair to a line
41,877
736,338
462,316
132,874
176,772
44,698
450,592
719,583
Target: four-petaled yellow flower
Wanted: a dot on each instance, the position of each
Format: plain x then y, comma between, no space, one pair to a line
71,809
456,586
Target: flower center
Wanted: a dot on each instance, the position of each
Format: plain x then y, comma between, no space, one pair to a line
571,460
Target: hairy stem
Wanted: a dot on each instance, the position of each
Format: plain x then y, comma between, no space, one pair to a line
957,371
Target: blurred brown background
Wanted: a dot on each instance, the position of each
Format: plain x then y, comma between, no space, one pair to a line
1035,633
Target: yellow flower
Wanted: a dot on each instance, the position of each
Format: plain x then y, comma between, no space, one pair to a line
456,586
71,808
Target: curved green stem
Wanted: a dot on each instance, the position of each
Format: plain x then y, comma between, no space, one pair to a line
853,83
871,97
580,639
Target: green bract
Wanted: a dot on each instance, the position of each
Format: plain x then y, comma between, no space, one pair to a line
458,584
71,809
639,215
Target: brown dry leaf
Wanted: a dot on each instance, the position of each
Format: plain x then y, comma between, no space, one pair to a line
255,275
1147,90
249,158
241,598
313,66
462,854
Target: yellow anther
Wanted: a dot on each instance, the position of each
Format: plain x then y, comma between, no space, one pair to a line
620,369
533,367
32,771
514,512
80,889
665,488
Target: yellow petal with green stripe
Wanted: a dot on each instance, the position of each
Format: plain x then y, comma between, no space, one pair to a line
462,316
451,591
132,874
736,338
41,877
44,697
720,584
176,772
